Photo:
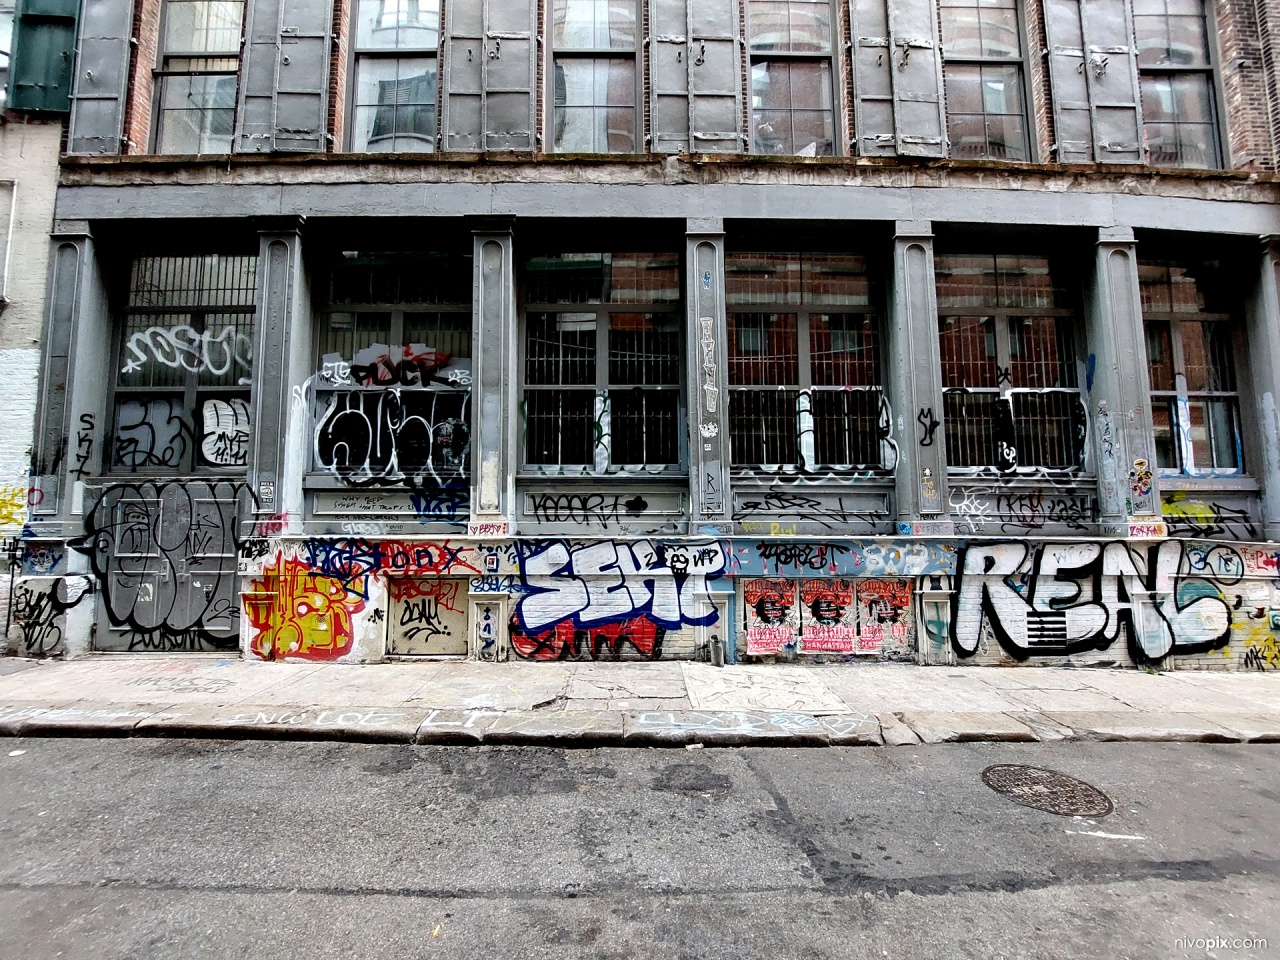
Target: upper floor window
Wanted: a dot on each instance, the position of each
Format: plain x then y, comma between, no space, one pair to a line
983,56
792,75
396,76
1195,400
601,359
1175,72
184,366
593,44
196,82
805,378
1007,342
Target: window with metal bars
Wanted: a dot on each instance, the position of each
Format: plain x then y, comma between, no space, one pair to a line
1175,73
1007,342
805,383
396,76
982,54
196,80
791,44
601,357
393,392
184,365
593,46
1195,400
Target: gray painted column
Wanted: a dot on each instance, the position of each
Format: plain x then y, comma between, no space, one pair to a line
281,359
73,423
1119,396
708,365
1264,374
494,437
915,381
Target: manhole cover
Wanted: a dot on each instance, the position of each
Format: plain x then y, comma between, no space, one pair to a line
1047,790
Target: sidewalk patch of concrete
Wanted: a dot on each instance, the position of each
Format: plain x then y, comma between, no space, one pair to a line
1146,726
564,728
797,689
276,722
895,733
967,727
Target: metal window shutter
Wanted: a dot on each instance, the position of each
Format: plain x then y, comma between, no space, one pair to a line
42,53
696,102
490,65
1111,71
873,124
102,69
284,76
1072,116
920,126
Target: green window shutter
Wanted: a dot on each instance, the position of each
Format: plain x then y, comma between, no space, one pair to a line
43,54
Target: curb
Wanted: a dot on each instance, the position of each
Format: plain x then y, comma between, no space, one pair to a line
612,728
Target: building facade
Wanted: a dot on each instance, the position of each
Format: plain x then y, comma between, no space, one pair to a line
627,329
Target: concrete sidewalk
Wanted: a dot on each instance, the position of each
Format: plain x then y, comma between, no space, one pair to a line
654,704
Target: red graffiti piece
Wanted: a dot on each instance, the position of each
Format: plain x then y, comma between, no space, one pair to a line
410,588
440,559
297,613
640,638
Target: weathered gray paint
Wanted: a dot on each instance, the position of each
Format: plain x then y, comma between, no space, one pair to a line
696,68
101,73
495,435
897,64
284,77
1094,72
708,371
74,379
786,202
1121,390
1263,335
281,357
490,66
915,385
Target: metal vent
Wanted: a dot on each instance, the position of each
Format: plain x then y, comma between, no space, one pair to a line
1047,790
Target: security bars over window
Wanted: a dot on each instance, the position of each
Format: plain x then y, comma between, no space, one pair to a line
394,382
1008,350
184,365
602,353
805,387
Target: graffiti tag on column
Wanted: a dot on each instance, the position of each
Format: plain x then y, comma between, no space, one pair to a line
708,363
929,423
84,447
1061,599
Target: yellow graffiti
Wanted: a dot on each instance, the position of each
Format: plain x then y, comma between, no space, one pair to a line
297,613
1179,507
13,506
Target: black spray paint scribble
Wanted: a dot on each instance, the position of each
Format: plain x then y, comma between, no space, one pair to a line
165,558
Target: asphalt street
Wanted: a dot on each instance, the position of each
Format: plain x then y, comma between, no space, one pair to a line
181,849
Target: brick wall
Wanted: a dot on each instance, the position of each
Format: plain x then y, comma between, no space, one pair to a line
1040,109
137,113
1248,106
338,60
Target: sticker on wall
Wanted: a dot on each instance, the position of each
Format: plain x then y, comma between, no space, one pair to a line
828,617
772,618
884,615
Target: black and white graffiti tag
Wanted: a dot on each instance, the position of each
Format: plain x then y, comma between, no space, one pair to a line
165,557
